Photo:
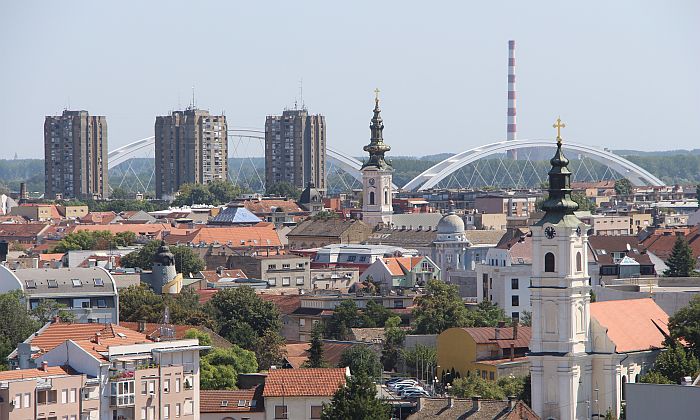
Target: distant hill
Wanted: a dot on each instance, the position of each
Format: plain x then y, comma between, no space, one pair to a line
624,152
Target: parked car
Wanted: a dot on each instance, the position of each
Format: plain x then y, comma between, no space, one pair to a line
400,387
404,382
410,389
415,394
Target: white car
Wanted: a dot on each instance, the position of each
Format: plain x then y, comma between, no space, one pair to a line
415,394
400,387
411,389
404,382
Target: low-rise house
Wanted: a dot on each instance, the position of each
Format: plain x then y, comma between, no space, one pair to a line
89,293
210,279
617,257
335,278
72,212
475,408
231,405
286,304
359,256
261,238
280,271
661,241
100,218
314,233
296,354
25,233
606,225
301,393
234,214
401,272
36,212
489,352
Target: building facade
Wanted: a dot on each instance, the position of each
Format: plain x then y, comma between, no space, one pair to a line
376,176
295,149
191,146
75,156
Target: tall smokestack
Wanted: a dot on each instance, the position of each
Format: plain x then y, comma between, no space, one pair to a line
512,131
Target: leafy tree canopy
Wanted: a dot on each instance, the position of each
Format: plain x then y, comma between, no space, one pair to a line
681,263
675,363
361,360
204,338
215,193
186,261
685,325
394,337
357,400
440,308
316,359
345,316
654,377
623,186
418,357
16,323
140,303
283,189
475,385
487,314
93,240
48,309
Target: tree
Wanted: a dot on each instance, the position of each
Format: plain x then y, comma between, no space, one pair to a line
487,314
584,203
316,359
139,303
269,349
48,309
513,385
654,377
223,192
471,385
681,263
440,308
526,319
675,363
685,325
623,186
374,315
418,359
190,194
186,261
325,215
204,338
357,400
220,368
394,337
283,189
85,240
361,360
119,193
126,238
16,323
345,316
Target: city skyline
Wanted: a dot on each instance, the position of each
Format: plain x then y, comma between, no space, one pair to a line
450,66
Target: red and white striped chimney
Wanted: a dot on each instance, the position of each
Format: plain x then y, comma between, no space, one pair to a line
512,130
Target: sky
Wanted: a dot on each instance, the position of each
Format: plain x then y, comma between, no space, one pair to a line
621,74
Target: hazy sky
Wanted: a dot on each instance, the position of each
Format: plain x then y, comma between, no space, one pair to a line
622,74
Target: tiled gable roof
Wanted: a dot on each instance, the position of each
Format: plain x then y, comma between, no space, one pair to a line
324,227
632,325
318,382
10,375
260,235
487,335
225,401
269,206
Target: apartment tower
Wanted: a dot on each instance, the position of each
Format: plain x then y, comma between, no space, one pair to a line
295,149
75,156
191,147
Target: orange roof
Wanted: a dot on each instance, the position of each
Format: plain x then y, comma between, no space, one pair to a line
10,375
661,242
268,206
213,276
304,382
154,229
58,332
260,235
632,325
487,335
205,295
99,217
397,265
286,304
51,257
224,401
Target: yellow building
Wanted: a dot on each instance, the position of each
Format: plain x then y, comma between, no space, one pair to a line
490,352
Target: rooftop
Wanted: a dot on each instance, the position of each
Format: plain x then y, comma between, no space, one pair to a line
438,408
11,375
318,382
632,325
225,401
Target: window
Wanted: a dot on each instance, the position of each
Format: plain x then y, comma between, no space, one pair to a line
272,281
302,322
386,199
549,262
98,282
178,409
578,262
272,266
281,412
52,283
72,395
189,407
81,303
514,284
143,413
46,397
371,202
491,375
166,385
316,411
286,281
76,282
299,281
27,400
515,300
64,396
351,258
151,387
515,316
300,265
18,401
398,303
144,385
101,303
166,411
31,284
285,266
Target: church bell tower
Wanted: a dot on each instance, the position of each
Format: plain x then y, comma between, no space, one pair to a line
560,364
376,175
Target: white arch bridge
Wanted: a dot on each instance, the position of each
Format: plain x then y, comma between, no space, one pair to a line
431,177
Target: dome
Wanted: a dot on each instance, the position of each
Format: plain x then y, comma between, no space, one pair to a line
310,195
451,224
164,256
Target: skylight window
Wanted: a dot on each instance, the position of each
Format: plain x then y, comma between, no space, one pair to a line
76,283
99,282
31,284
52,283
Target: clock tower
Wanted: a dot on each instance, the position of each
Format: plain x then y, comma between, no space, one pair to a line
561,367
376,175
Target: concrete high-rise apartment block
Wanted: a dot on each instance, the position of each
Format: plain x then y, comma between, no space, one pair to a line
295,149
75,155
191,147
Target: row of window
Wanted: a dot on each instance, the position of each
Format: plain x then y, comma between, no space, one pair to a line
272,281
284,266
45,397
53,284
281,412
149,413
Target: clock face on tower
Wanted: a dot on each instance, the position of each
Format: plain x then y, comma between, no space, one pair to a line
550,232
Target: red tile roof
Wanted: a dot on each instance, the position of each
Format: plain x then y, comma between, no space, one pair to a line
269,206
156,229
285,303
397,265
661,242
10,375
260,235
21,231
487,335
213,276
304,382
224,401
98,217
632,325
298,353
205,295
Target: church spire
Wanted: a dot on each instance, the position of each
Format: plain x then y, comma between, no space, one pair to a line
376,147
559,202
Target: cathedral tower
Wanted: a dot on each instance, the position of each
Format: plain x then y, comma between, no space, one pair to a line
560,363
376,175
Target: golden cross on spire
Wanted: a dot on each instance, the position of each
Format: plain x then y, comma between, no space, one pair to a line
559,125
376,95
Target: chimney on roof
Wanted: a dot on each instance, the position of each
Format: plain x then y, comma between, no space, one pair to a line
97,337
476,403
45,366
450,402
142,326
56,319
219,270
501,324
512,400
512,351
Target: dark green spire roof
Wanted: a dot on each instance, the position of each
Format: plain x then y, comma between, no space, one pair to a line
559,204
376,147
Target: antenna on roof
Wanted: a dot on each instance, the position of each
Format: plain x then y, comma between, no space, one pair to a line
193,102
301,93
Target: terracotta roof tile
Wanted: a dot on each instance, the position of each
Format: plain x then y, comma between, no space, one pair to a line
304,382
286,304
661,242
213,276
260,235
10,375
487,335
632,325
225,401
269,206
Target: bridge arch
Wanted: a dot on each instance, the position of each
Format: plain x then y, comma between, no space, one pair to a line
433,175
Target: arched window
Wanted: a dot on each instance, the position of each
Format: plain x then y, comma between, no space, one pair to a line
624,385
579,264
371,197
549,262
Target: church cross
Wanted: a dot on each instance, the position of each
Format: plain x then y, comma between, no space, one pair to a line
559,125
376,95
